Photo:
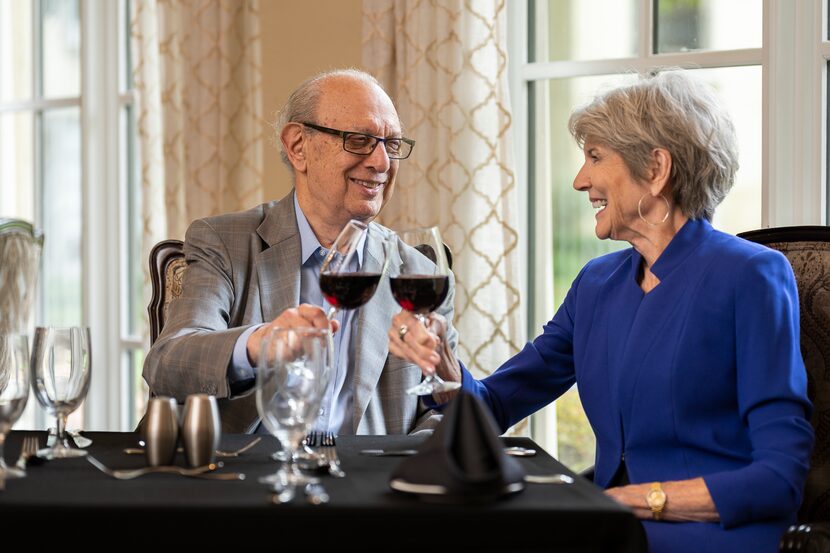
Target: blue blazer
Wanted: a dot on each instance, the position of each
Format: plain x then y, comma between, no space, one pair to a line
702,376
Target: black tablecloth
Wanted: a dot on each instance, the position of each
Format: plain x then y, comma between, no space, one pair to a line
363,514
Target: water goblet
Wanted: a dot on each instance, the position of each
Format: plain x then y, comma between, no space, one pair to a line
61,367
292,375
14,391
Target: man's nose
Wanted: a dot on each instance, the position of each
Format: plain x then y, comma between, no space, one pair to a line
379,159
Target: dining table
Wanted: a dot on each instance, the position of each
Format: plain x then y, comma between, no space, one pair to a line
69,501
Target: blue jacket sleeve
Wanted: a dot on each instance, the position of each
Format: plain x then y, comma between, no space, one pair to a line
772,398
535,376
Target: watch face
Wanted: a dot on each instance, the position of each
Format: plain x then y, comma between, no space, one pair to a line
656,499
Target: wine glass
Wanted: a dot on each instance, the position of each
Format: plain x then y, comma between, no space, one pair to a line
291,378
344,283
14,391
420,285
61,365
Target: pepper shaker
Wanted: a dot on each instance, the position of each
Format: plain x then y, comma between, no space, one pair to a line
161,431
201,429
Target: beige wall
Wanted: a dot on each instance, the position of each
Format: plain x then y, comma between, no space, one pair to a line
299,39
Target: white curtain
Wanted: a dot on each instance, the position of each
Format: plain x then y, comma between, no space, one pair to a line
444,63
199,99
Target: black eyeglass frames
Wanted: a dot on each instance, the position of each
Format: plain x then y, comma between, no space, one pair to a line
364,144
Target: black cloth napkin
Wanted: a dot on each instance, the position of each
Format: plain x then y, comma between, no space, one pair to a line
464,455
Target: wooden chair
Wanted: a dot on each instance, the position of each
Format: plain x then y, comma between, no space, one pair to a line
167,266
808,250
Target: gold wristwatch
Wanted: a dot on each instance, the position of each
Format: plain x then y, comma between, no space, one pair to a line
656,500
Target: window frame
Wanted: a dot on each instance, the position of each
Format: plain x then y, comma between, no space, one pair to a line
793,56
104,192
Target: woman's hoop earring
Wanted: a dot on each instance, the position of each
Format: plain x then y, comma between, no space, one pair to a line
640,210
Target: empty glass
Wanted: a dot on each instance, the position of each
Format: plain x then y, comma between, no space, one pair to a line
61,365
14,391
292,375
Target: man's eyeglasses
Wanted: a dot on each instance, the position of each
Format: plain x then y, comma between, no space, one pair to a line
364,144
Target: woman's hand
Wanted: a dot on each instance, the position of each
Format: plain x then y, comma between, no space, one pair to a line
686,500
425,347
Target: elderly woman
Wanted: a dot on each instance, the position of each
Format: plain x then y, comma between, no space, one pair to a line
685,346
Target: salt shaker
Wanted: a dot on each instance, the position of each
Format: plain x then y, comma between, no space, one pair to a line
201,429
161,431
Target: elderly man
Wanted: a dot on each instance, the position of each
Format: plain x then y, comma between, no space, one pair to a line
250,271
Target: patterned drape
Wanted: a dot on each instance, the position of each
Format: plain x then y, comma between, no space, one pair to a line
198,83
444,62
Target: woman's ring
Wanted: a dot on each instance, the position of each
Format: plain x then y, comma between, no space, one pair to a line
402,332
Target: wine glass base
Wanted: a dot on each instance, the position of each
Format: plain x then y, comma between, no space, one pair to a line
281,480
426,388
61,453
10,473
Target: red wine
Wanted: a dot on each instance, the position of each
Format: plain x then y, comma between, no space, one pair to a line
348,290
420,293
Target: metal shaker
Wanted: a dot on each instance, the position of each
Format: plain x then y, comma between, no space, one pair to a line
161,431
201,429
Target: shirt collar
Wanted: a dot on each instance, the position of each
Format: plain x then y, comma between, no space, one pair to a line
308,240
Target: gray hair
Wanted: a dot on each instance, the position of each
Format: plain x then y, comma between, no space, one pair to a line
302,104
669,110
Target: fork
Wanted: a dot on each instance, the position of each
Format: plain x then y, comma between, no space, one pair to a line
329,452
29,450
135,473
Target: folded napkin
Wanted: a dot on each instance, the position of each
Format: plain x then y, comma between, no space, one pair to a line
464,456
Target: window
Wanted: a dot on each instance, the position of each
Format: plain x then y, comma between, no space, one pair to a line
68,163
565,51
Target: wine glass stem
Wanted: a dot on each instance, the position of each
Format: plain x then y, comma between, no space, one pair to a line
332,313
433,376
61,430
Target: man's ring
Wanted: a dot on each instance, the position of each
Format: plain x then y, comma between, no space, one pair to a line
402,332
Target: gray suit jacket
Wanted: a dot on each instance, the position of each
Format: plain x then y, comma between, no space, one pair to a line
244,269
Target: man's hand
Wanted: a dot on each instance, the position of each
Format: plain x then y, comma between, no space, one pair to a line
304,316
425,347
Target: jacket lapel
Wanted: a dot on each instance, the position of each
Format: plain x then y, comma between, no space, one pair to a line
278,266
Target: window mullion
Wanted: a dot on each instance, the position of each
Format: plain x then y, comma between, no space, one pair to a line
793,171
647,28
99,122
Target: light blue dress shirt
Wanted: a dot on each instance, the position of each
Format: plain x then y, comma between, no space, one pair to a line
336,407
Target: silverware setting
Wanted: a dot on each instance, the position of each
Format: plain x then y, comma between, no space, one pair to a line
205,471
516,451
548,479
512,451
219,452
329,453
388,452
